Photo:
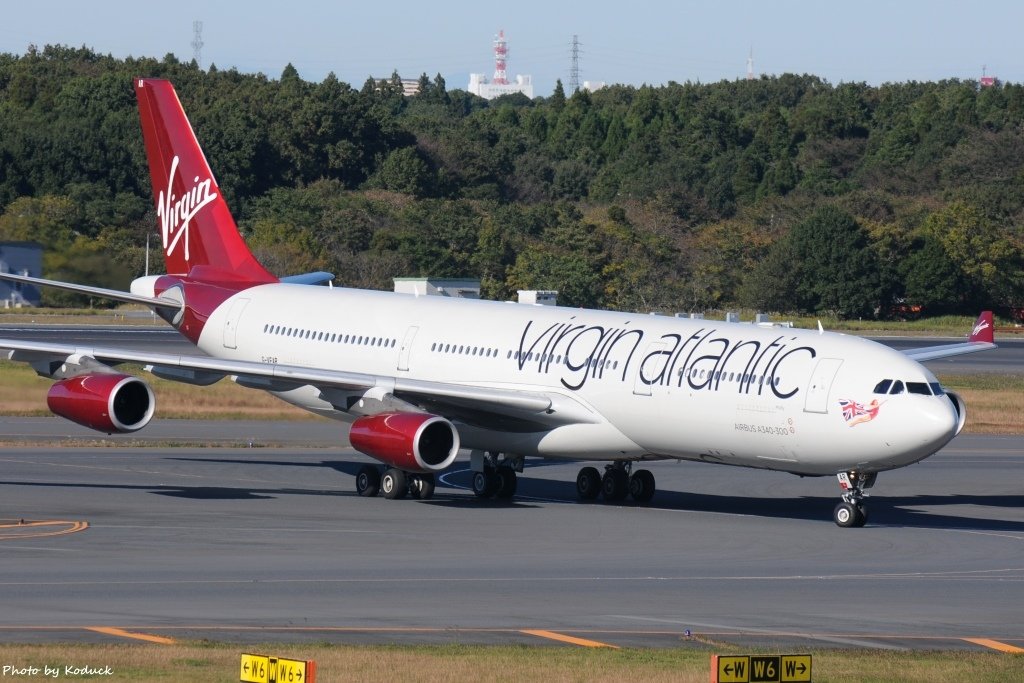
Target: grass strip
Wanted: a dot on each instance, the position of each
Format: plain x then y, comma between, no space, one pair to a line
219,663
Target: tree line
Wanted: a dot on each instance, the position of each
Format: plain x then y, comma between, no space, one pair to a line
784,193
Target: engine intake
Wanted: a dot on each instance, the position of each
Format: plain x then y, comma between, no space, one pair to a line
105,402
960,408
414,442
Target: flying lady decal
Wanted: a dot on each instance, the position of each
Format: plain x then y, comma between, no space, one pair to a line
857,413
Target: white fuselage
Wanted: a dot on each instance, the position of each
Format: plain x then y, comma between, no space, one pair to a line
636,386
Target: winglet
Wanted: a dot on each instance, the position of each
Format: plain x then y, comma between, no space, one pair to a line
983,329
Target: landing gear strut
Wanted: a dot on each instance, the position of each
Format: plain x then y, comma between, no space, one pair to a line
851,512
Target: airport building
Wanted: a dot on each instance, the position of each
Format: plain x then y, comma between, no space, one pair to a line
20,258
461,288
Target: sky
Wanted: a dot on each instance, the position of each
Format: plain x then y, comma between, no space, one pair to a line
634,42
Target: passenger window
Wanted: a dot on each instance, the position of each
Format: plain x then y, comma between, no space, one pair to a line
918,388
897,387
883,386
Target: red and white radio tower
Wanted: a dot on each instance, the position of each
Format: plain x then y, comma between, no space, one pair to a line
500,55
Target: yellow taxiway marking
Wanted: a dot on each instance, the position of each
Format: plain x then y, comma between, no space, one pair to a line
995,645
121,633
551,635
21,529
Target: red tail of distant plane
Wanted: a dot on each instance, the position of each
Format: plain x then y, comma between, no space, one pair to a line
984,330
200,238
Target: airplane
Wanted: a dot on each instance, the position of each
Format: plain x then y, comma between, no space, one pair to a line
417,379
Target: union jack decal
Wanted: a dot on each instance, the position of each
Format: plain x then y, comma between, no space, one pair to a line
855,413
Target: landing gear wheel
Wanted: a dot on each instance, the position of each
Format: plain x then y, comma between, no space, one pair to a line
507,483
394,484
484,484
641,486
588,483
848,515
851,512
422,486
615,485
368,481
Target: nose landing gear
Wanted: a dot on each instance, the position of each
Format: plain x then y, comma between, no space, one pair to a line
851,512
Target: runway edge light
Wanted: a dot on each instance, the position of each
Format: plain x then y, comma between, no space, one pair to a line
267,669
760,668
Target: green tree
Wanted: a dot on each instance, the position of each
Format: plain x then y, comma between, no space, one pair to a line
827,265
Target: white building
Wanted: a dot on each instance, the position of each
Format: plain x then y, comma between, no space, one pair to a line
462,288
479,85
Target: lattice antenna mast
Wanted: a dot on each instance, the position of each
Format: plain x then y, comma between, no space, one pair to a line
197,42
750,64
574,68
500,56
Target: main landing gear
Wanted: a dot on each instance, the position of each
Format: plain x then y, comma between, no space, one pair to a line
616,483
494,477
394,483
851,512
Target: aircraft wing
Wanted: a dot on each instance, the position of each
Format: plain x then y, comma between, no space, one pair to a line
947,350
981,339
473,404
99,292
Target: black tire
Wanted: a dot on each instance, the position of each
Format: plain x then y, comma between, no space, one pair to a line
368,481
588,483
394,484
847,515
614,485
484,484
507,483
862,513
642,486
422,486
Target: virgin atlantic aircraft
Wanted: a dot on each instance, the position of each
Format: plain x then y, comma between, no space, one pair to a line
419,378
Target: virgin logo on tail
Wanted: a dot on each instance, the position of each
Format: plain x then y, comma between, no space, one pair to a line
979,328
176,213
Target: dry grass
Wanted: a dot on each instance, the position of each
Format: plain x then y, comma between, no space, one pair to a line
995,403
23,393
219,662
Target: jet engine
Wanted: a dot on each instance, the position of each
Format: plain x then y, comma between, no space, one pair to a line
414,442
108,403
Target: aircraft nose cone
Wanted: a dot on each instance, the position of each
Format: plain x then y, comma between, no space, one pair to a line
937,423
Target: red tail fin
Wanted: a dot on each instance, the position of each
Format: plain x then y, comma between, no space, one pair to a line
199,234
983,329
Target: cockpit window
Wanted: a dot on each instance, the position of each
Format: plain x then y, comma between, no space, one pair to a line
918,388
897,387
936,388
883,386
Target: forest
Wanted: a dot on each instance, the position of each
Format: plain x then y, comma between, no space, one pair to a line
782,194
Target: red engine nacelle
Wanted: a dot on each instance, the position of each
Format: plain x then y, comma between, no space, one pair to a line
414,442
104,402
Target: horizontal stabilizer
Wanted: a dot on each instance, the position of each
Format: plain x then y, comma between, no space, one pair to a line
318,278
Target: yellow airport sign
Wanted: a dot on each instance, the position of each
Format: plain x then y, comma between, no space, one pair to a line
760,668
255,669
265,669
796,668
